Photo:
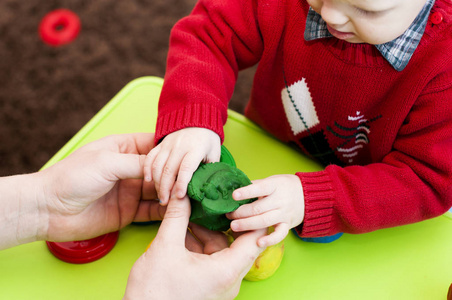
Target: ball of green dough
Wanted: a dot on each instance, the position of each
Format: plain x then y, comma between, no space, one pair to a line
210,192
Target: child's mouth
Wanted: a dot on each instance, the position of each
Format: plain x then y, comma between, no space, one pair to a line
339,34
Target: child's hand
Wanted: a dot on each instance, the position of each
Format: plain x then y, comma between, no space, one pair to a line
280,204
177,157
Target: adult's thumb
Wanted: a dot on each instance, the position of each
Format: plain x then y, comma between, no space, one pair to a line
245,250
126,166
175,222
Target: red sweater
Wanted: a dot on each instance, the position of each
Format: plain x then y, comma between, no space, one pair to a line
385,136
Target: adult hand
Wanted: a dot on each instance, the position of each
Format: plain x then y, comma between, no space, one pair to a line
98,188
167,270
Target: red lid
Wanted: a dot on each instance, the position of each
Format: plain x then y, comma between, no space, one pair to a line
80,252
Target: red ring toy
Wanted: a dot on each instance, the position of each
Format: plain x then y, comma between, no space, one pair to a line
59,27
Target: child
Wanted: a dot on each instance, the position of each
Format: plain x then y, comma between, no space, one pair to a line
363,86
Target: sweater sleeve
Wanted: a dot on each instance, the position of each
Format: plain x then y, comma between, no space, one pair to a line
206,51
412,183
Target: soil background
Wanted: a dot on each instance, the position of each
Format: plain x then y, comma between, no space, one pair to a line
48,93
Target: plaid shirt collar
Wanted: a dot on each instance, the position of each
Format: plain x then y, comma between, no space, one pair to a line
397,52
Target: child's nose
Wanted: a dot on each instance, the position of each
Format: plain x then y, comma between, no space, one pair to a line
333,14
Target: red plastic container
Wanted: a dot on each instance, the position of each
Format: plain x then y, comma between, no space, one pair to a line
80,252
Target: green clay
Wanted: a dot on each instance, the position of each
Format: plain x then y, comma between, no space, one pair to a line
210,191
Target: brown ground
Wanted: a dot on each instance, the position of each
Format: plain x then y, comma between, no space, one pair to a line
47,94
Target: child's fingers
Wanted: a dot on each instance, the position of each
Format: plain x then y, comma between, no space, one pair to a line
188,166
150,157
265,220
156,172
259,188
169,174
214,155
275,237
253,209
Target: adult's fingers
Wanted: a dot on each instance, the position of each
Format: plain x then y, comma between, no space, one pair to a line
244,251
212,241
124,166
140,143
148,191
144,142
175,222
136,143
149,210
193,244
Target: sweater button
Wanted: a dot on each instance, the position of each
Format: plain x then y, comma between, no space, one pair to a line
436,17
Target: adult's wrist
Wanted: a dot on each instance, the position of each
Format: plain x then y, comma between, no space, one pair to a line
34,218
22,213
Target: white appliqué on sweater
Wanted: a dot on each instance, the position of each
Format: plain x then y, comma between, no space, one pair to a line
298,106
360,137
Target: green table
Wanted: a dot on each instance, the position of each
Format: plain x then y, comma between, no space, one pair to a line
408,262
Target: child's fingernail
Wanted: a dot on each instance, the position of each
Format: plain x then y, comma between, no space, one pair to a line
234,226
147,178
237,195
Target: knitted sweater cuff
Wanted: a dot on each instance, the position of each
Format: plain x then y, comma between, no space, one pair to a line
196,115
318,198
